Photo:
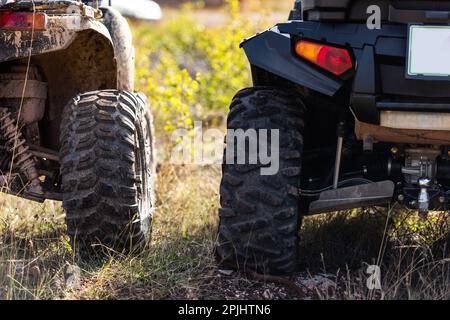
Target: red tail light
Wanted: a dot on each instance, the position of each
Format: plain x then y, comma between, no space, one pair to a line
22,21
332,59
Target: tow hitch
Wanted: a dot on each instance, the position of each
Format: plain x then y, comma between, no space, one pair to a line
424,197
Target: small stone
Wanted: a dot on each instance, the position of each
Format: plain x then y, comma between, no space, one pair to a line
226,272
268,294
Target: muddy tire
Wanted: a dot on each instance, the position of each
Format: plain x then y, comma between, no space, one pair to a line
108,171
259,215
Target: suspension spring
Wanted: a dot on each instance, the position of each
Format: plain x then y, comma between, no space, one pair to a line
23,160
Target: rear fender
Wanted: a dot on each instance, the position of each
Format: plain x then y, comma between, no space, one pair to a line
272,51
124,52
62,30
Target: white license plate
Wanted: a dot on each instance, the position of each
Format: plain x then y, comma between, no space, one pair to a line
429,51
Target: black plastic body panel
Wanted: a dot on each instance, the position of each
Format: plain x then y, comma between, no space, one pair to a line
378,80
272,51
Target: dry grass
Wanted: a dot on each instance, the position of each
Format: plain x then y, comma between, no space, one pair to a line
180,261
413,255
33,249
36,260
35,255
34,252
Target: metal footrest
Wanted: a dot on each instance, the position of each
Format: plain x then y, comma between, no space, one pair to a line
378,193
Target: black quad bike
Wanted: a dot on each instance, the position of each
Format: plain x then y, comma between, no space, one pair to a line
360,93
71,127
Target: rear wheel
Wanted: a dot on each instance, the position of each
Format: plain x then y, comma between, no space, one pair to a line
259,215
108,171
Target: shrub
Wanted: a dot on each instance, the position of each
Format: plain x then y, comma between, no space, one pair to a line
188,69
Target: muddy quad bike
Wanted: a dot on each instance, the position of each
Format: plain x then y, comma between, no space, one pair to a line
360,93
71,127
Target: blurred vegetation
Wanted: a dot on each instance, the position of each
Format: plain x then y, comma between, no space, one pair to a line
188,69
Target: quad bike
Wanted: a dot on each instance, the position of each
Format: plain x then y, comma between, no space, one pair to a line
363,113
71,127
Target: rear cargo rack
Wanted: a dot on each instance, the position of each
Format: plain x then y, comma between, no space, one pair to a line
420,11
413,106
408,16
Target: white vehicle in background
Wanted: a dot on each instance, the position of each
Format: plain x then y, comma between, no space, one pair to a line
138,9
